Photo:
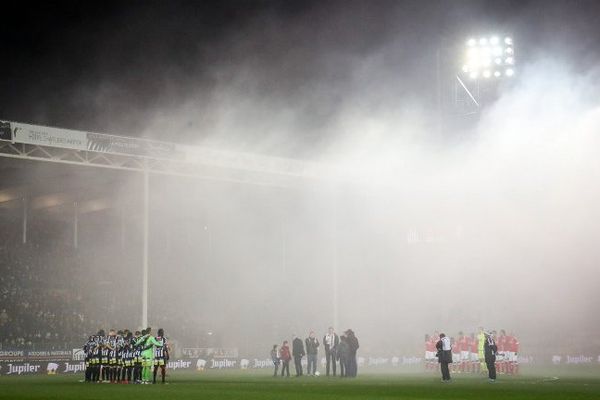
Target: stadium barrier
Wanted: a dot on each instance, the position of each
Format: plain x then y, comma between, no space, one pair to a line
36,355
19,362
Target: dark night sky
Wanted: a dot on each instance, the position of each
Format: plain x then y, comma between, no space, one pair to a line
108,66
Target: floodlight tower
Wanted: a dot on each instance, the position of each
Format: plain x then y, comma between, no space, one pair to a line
487,61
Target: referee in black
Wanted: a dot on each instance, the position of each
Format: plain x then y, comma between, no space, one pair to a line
490,349
444,355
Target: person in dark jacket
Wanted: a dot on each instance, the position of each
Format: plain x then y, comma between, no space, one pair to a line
330,341
351,367
343,355
444,355
490,349
312,348
275,358
298,353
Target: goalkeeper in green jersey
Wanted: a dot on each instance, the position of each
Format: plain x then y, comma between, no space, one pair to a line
480,343
147,343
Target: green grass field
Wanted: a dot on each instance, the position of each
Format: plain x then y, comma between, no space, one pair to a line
257,385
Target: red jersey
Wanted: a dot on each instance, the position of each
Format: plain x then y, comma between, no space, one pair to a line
463,343
512,344
502,343
474,345
430,345
456,347
284,353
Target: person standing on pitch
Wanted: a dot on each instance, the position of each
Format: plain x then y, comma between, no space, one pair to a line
298,353
161,356
490,349
136,357
444,355
147,343
331,342
351,367
480,350
343,355
275,358
284,355
312,346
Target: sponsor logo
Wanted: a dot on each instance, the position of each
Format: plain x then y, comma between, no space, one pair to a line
48,355
200,365
12,355
266,363
223,363
244,363
22,369
360,361
51,368
74,367
411,360
179,364
525,359
579,360
377,361
395,361
78,354
556,360
192,352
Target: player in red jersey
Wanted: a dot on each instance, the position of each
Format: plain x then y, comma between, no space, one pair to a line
502,355
455,354
430,351
474,353
463,345
434,340
512,345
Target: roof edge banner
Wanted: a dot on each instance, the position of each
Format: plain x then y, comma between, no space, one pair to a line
46,136
131,146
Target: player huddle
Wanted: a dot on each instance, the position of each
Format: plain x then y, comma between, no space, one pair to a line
126,357
468,352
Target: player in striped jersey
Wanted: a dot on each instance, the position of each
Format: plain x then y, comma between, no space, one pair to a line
161,356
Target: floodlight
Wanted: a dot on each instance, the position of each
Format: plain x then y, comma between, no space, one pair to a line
494,54
510,72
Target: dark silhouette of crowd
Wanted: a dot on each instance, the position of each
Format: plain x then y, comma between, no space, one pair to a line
44,289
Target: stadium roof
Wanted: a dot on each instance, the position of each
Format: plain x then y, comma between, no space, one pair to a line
56,168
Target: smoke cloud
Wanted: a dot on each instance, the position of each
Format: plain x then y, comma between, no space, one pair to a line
424,227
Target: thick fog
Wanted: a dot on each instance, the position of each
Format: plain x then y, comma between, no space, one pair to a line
431,221
491,223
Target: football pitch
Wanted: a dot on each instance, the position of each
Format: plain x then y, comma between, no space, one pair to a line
258,385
